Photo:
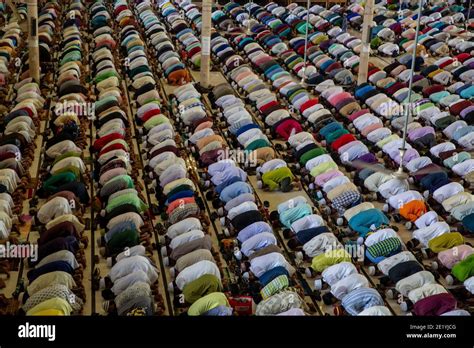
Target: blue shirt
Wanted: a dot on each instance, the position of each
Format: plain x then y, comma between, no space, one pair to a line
271,274
223,176
246,128
252,230
305,236
54,266
219,311
257,242
358,300
291,215
118,228
228,182
329,128
178,195
234,190
362,222
234,127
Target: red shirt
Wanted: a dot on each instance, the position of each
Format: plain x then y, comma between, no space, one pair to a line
194,50
286,51
298,67
101,142
263,33
149,114
108,148
342,140
28,110
358,114
286,128
373,71
462,57
300,50
427,29
120,9
459,106
242,305
308,104
435,305
446,63
333,66
268,106
7,155
432,89
179,202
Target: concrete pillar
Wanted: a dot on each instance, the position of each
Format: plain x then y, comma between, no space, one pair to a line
206,43
365,51
33,47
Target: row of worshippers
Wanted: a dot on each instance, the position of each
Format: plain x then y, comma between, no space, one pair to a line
55,280
130,286
186,243
21,112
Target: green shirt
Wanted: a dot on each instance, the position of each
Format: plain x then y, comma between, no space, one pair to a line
208,302
120,241
273,178
103,76
200,287
324,260
59,179
464,269
423,107
279,283
73,56
443,122
110,100
455,159
70,169
312,154
322,168
384,247
127,198
336,135
154,121
120,182
55,303
257,144
382,142
445,241
138,70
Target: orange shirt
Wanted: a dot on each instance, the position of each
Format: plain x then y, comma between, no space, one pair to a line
413,210
179,77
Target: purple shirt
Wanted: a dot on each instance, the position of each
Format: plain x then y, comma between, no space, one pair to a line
420,132
410,154
368,158
466,111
